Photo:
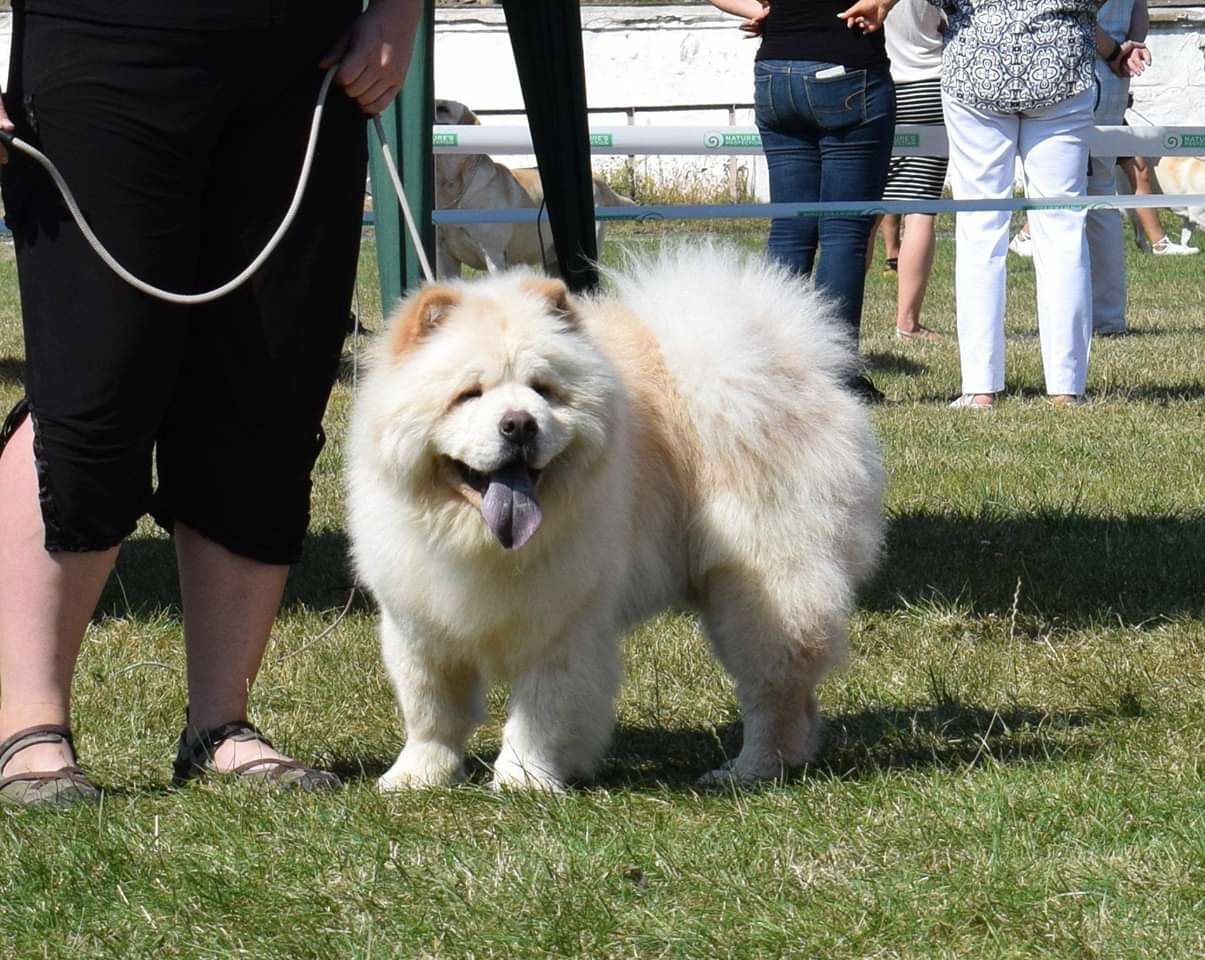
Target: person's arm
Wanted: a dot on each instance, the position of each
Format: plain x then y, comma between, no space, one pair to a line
1129,58
739,8
8,127
375,53
1140,22
867,15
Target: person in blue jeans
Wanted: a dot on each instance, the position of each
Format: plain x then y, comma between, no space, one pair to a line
825,106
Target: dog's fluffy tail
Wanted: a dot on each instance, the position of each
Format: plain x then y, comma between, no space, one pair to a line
760,362
734,325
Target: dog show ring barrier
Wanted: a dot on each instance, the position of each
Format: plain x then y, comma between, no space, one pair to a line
910,140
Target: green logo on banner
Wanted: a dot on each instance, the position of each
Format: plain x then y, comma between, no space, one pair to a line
742,140
602,140
715,139
907,139
444,140
1186,141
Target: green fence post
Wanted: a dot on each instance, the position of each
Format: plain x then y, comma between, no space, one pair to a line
407,123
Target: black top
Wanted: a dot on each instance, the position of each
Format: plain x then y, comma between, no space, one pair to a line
810,30
182,14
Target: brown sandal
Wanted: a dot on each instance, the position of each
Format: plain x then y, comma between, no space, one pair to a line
195,759
51,788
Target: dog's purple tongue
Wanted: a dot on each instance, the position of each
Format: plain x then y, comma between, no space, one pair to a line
509,506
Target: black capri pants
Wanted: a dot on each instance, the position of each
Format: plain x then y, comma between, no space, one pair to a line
183,149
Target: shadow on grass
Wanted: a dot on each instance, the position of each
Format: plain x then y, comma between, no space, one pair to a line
868,743
885,362
947,736
1156,393
1139,393
1073,568
12,372
146,577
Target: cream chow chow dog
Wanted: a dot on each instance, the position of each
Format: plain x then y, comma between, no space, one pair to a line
532,473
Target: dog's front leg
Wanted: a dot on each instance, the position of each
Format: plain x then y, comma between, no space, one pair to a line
562,711
447,267
441,704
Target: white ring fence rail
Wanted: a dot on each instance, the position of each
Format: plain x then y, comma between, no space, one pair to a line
910,140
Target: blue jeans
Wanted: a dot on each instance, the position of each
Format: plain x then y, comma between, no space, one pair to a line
825,139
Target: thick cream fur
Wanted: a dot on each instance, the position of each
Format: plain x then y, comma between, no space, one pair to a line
698,449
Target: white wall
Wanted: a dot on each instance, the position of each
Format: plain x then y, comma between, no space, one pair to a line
690,54
653,55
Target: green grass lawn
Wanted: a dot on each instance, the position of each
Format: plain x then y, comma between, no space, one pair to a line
1013,761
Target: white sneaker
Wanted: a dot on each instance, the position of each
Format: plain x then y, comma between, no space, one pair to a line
1021,244
1165,247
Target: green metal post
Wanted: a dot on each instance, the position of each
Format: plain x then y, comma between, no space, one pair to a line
408,126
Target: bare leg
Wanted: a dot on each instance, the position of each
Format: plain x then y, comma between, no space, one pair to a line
1139,172
916,263
890,229
230,603
888,225
46,601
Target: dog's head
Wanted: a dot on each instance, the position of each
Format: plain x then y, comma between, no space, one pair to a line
453,170
454,112
489,406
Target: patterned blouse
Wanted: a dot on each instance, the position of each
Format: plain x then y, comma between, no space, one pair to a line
1009,56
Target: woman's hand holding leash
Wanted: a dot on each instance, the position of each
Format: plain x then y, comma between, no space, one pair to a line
8,127
375,53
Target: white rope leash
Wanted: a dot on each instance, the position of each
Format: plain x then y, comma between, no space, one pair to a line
399,190
273,242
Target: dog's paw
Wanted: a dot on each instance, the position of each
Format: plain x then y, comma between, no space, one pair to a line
735,774
511,774
423,766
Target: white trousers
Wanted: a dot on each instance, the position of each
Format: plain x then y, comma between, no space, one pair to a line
1106,242
1052,144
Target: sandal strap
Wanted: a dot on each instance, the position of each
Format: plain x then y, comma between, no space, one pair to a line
72,773
279,766
191,757
31,737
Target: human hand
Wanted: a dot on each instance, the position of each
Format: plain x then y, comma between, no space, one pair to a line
1131,60
374,54
867,15
8,127
756,23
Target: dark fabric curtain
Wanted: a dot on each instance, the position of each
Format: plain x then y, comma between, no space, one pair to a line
547,39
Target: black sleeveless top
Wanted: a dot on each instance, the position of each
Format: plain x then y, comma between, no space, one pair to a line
810,30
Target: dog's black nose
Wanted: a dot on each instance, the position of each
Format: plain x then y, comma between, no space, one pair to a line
518,426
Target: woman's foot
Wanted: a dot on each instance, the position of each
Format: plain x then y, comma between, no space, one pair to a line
919,332
1021,244
237,750
1065,400
975,401
38,769
1166,247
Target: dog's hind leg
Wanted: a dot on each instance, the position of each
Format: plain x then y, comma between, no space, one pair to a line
441,705
562,713
776,661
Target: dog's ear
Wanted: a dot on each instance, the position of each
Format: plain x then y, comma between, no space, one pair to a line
557,294
420,316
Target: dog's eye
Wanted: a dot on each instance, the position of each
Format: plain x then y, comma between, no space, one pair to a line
545,391
465,395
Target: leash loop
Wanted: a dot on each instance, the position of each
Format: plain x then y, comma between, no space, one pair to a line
250,270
